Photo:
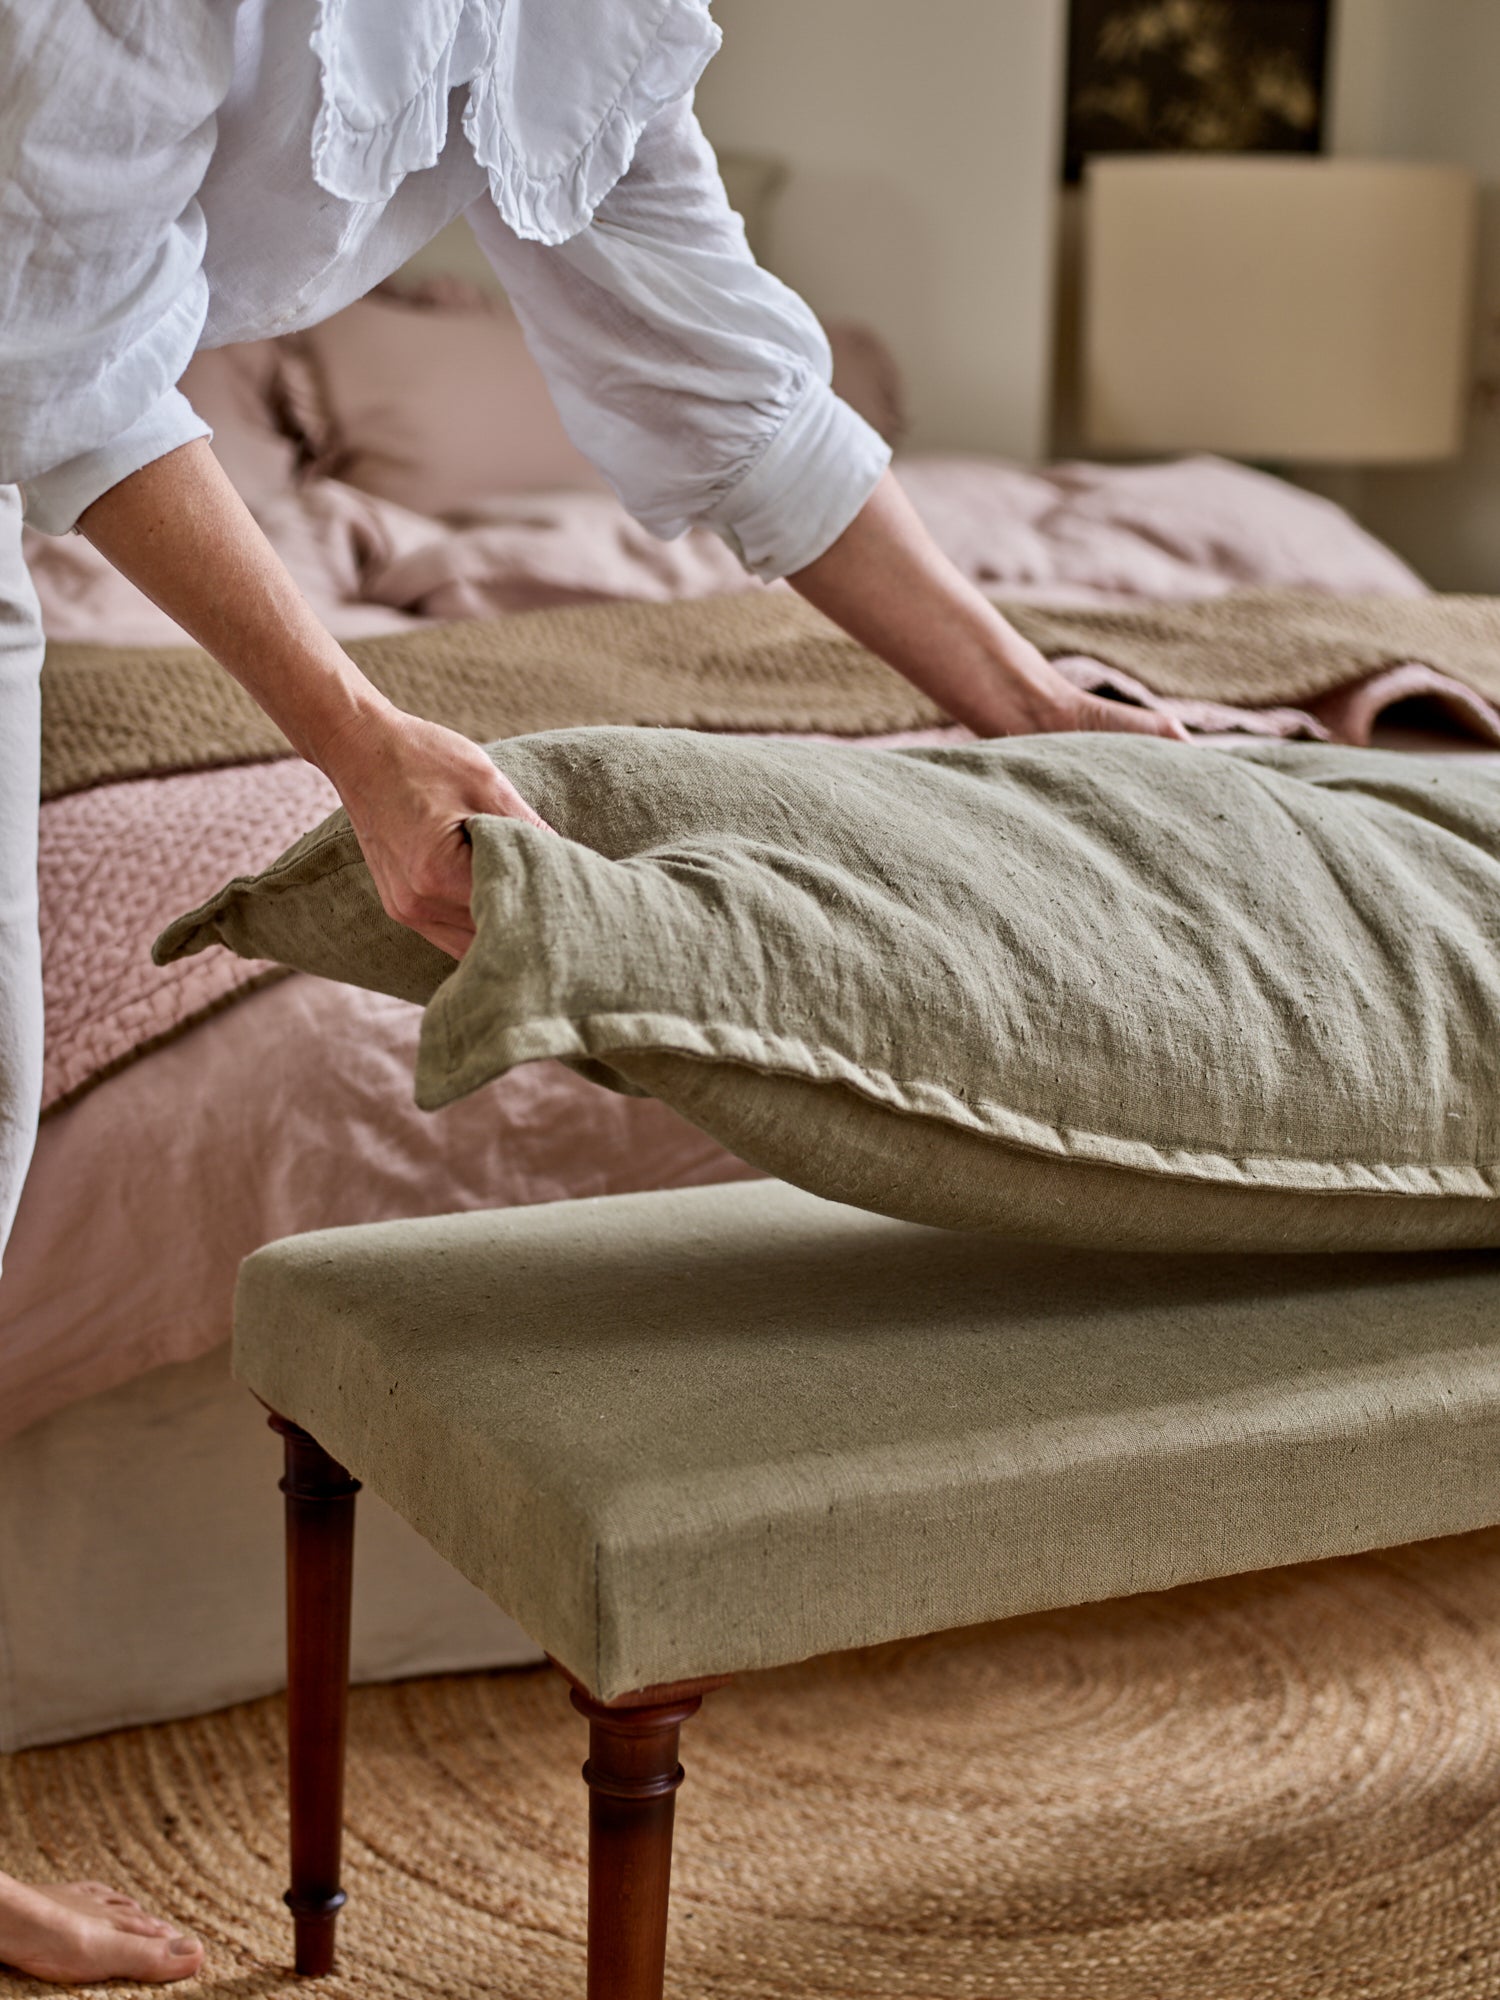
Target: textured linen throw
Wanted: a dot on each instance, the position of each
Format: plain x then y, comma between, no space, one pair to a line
763,662
759,662
1259,647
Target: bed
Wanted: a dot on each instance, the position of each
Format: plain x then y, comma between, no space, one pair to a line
139,1562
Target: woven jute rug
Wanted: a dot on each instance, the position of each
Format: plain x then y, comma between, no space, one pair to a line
1281,1785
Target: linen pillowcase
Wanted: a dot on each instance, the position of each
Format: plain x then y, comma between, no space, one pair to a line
1095,990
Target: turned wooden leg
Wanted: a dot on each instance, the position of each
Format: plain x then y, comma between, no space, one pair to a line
319,1573
632,1775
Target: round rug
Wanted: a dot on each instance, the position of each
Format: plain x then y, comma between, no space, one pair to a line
1285,1784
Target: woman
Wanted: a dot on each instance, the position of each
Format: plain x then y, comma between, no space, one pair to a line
178,176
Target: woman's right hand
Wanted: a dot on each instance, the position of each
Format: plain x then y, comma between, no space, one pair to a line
181,533
408,787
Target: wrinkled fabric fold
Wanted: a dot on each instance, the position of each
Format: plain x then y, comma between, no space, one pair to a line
550,155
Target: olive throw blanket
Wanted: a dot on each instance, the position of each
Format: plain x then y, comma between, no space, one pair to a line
767,662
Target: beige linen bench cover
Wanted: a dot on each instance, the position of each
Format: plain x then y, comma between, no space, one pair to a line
678,1435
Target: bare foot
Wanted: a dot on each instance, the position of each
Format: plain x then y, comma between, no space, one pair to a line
77,1933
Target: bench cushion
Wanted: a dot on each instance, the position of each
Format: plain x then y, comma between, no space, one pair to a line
686,1433
1104,990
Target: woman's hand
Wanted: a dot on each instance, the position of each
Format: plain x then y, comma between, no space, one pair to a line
408,787
886,581
179,531
1024,695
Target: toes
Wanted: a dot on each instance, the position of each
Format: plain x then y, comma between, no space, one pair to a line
158,1960
140,1925
121,1912
99,1892
103,1892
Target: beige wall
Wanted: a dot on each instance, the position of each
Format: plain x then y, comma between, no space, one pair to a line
924,143
1420,79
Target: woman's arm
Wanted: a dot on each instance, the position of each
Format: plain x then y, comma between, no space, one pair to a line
181,533
106,140
699,384
886,581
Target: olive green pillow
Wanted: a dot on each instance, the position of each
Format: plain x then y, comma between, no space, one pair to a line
1093,989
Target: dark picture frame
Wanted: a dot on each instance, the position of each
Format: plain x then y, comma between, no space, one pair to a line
1198,76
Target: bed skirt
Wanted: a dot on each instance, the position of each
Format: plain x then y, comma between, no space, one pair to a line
141,1570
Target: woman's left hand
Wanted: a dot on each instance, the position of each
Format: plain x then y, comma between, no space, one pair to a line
1024,694
886,581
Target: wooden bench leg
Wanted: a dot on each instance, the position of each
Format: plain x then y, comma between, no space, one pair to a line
319,1575
632,1775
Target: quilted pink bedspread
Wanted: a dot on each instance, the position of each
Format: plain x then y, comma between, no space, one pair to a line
292,1108
116,865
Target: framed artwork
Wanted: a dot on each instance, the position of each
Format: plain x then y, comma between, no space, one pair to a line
1196,76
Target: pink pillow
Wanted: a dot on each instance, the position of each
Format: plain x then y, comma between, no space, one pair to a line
438,408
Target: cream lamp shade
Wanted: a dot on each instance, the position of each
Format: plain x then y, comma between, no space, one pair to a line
1278,309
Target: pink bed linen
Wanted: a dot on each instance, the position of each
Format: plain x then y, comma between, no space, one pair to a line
119,863
292,1109
1068,533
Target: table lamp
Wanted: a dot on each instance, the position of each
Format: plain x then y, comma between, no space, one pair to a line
1277,309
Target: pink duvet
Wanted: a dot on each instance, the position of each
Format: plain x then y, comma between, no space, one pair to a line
1191,528
290,1111
291,1108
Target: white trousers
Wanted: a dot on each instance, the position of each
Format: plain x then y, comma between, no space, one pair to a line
20,778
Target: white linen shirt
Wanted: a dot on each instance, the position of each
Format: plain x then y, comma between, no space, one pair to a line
177,176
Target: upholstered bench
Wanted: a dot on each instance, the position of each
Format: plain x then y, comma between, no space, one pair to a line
680,1435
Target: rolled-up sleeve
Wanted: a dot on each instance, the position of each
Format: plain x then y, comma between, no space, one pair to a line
54,500
108,127
697,383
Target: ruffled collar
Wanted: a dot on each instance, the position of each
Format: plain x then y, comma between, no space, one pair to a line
559,92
